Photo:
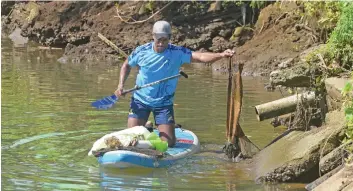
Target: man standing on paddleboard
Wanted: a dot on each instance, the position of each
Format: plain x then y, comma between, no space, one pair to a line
157,60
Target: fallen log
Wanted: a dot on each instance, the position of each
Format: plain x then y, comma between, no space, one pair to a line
281,106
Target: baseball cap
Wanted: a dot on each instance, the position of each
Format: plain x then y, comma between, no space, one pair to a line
162,29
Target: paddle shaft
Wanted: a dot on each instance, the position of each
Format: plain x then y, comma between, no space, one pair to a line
181,73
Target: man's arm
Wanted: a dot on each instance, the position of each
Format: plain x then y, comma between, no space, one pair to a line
209,56
124,73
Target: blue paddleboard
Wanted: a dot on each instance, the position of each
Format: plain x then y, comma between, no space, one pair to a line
187,144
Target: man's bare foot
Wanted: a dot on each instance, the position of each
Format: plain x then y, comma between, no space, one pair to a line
149,124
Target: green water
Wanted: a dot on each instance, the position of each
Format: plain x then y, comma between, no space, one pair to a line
48,127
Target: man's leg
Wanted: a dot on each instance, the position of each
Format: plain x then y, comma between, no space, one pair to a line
164,118
167,133
138,114
132,122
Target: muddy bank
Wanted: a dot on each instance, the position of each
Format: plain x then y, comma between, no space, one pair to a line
73,26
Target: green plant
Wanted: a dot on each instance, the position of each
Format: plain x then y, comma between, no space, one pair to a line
253,4
320,61
347,94
322,16
327,13
150,6
258,4
341,39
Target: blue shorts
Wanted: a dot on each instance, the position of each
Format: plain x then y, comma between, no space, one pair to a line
162,115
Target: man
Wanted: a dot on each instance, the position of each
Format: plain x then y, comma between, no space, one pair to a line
156,60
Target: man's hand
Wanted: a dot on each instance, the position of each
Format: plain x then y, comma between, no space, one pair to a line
119,92
227,53
210,56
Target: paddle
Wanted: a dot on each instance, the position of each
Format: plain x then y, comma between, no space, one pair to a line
109,101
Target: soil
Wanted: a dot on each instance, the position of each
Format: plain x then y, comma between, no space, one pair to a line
74,26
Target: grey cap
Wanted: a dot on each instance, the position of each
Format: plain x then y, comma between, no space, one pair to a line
162,29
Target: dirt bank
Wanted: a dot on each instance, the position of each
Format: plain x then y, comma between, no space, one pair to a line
74,26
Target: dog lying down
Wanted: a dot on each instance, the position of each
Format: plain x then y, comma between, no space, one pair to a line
138,136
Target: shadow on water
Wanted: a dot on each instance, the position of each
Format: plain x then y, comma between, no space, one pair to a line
48,127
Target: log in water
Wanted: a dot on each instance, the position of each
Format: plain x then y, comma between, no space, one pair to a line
281,106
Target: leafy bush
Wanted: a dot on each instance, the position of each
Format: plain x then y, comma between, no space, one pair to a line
337,55
259,4
341,39
322,16
150,5
326,13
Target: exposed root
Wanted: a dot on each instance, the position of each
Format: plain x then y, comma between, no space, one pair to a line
263,24
281,17
311,31
303,114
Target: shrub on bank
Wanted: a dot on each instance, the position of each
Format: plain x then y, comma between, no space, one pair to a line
341,40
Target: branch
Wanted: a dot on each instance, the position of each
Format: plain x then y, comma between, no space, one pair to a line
112,45
323,64
263,24
118,15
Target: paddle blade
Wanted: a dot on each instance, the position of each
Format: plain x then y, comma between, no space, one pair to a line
106,102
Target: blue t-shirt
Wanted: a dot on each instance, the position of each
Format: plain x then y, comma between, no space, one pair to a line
155,66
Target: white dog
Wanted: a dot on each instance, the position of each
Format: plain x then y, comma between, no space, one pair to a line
135,136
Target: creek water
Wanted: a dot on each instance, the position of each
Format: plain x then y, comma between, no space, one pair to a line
48,126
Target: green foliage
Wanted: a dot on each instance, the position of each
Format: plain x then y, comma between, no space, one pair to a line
326,13
150,5
258,4
253,4
322,16
347,94
341,39
314,61
337,55
227,3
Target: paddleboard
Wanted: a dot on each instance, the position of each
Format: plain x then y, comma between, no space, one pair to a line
187,144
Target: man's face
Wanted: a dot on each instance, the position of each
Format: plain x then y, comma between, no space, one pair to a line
161,43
